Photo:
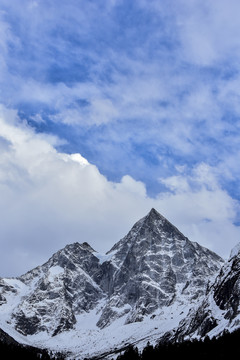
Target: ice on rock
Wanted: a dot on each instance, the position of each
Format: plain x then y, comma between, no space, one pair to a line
235,251
55,271
219,310
141,288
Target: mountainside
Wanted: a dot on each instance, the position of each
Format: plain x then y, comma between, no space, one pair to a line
11,349
137,291
220,308
155,266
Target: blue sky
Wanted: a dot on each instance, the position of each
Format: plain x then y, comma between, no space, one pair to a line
147,91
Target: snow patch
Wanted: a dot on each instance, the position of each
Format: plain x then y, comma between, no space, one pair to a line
55,271
104,257
235,251
15,283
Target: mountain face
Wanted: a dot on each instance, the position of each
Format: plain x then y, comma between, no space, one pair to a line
149,275
48,297
154,266
220,308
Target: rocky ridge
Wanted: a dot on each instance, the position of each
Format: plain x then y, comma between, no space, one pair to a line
152,270
156,265
219,310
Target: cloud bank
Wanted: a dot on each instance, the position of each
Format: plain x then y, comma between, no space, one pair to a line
136,88
49,199
147,92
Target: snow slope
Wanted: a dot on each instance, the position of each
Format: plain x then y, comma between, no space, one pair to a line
219,310
86,304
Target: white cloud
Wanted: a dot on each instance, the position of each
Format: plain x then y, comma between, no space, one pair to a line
150,94
49,199
205,211
208,30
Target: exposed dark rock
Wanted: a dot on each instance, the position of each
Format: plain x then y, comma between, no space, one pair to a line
6,339
153,266
27,325
221,303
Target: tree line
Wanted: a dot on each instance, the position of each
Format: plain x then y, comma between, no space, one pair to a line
225,347
18,351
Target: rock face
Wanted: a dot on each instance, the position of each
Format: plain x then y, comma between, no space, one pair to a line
220,309
226,290
58,290
153,267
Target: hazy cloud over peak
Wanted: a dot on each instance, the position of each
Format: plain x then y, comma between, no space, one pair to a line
49,199
146,91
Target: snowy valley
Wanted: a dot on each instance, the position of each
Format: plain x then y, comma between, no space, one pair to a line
154,283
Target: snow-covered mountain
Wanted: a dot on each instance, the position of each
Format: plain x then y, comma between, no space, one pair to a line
219,310
155,266
86,304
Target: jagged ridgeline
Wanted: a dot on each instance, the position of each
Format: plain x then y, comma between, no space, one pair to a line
89,303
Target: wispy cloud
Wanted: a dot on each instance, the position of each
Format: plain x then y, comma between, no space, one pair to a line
42,209
143,90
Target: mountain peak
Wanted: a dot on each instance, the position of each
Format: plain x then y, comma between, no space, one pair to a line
154,215
155,221
154,271
88,247
75,248
152,228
